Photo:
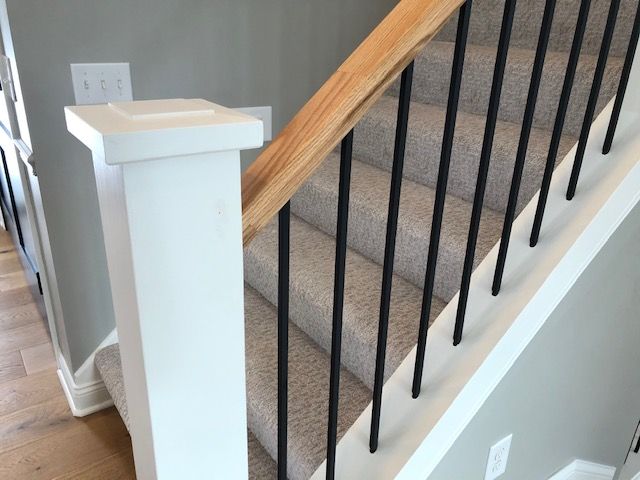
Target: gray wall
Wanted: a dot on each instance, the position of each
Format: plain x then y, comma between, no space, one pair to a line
574,391
234,52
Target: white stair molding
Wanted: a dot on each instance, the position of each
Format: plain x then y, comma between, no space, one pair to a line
581,470
168,180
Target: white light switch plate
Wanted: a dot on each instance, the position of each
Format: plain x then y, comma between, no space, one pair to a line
261,113
95,83
498,456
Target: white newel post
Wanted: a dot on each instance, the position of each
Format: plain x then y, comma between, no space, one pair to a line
168,178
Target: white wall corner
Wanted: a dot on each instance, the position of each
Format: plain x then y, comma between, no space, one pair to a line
84,389
582,470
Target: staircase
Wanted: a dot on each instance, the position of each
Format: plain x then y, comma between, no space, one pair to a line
313,223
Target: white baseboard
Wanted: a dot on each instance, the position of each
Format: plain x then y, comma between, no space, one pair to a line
85,390
581,470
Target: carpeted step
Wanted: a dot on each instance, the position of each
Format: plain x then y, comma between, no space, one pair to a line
374,140
311,297
261,466
309,369
486,20
433,72
316,202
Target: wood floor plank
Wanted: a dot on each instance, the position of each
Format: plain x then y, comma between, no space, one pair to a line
23,337
39,437
35,422
15,298
84,443
13,280
19,316
10,264
11,366
116,467
38,358
28,391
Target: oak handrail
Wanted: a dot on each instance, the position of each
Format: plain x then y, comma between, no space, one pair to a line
295,154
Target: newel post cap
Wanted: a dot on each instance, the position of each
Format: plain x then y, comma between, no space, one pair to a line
123,132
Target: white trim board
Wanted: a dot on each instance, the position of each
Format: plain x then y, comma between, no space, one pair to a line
582,470
85,390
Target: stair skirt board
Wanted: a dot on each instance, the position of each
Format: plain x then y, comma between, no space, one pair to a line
582,470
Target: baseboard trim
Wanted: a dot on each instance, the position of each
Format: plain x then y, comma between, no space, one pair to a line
582,470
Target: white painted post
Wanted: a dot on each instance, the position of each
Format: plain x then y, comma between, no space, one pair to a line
168,178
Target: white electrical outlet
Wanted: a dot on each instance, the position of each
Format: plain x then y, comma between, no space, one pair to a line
101,83
261,113
498,455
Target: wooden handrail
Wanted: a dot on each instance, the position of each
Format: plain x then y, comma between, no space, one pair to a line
334,110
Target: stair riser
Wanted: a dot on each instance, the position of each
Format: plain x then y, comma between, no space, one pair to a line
486,17
432,74
311,298
373,143
309,369
367,234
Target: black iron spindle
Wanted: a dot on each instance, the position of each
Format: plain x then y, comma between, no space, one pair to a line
284,223
624,81
483,168
338,300
441,191
561,115
390,247
523,144
593,97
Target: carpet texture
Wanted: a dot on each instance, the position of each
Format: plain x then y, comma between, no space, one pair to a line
314,211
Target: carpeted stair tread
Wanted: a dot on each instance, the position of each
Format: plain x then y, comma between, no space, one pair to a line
486,20
311,296
374,141
309,369
107,361
316,202
433,72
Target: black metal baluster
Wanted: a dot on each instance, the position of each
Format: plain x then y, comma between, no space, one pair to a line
483,169
284,223
624,81
389,251
561,115
521,155
593,97
441,190
338,300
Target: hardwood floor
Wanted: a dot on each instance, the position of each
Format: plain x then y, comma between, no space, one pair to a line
39,437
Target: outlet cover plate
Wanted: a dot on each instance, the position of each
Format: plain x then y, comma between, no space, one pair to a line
95,83
498,456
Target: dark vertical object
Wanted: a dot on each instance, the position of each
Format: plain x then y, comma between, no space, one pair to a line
593,97
624,81
561,115
14,209
338,300
390,248
441,190
284,223
483,168
521,155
